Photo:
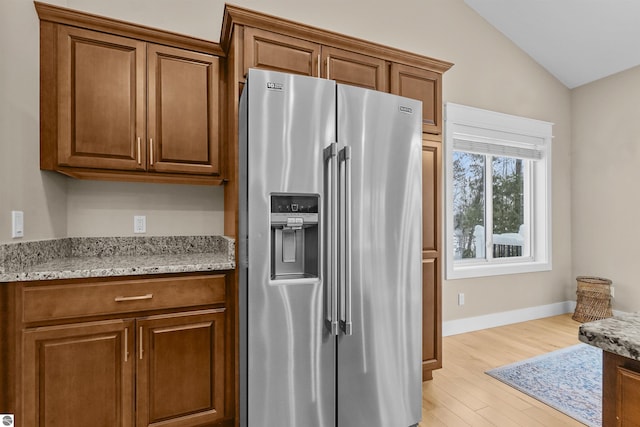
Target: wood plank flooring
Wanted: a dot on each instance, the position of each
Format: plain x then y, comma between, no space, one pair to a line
461,394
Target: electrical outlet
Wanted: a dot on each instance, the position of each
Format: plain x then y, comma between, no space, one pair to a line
17,224
139,224
613,293
460,299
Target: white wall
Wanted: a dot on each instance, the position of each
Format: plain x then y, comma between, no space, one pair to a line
605,176
489,72
107,208
40,195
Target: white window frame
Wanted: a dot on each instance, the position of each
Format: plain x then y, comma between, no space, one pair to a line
511,136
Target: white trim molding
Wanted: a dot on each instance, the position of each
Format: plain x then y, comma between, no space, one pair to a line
470,324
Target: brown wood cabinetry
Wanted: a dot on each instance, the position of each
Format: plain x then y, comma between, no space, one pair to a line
431,255
271,51
354,69
125,351
180,375
279,52
252,39
423,85
78,375
183,111
101,99
118,107
620,391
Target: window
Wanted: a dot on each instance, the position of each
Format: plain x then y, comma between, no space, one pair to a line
498,193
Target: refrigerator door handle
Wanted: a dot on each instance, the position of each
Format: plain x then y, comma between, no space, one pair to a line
331,318
345,321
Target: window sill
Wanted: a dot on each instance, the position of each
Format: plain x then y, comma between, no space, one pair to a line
484,270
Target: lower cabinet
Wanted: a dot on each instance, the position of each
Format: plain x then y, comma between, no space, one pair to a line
628,400
620,391
78,375
156,367
180,375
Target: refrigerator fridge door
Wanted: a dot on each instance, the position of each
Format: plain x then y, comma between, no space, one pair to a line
287,353
379,364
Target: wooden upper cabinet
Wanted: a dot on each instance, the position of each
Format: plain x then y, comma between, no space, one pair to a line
183,111
423,85
101,89
128,103
355,69
278,52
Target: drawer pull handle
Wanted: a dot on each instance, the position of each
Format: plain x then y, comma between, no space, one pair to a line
136,298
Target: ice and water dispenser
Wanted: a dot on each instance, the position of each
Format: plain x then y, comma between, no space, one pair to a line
294,236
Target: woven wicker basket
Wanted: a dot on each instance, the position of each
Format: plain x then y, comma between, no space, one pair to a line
594,299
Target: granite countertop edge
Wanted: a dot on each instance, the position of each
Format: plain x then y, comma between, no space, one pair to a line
618,335
72,258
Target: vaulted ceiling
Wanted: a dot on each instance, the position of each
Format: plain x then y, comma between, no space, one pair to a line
578,41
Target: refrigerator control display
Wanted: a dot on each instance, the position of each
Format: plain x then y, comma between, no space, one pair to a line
301,204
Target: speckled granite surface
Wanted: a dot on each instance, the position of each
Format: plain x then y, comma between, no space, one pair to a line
114,256
619,334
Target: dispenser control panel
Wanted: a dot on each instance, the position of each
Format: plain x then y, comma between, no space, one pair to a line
293,210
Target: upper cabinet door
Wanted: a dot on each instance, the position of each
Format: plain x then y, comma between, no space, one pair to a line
272,51
354,69
423,85
183,111
101,100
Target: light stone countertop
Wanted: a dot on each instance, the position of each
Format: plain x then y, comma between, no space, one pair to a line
105,257
619,334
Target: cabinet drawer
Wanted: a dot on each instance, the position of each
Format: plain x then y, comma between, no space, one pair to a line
78,299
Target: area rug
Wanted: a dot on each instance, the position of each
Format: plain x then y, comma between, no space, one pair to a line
569,380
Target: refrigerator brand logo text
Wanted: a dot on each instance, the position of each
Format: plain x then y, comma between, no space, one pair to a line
274,86
407,110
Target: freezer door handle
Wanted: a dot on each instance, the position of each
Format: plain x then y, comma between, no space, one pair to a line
345,318
331,318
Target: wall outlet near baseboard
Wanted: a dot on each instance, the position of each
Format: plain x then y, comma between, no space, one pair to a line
613,291
460,299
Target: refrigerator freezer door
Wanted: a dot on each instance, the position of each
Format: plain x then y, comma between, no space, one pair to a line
288,355
379,365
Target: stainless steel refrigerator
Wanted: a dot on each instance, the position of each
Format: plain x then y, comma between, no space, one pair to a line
329,254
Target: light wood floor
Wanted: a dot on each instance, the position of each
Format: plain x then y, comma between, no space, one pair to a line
461,394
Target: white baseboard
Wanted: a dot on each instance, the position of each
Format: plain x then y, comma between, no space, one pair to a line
469,324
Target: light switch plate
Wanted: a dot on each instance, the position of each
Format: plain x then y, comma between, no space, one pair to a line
17,224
